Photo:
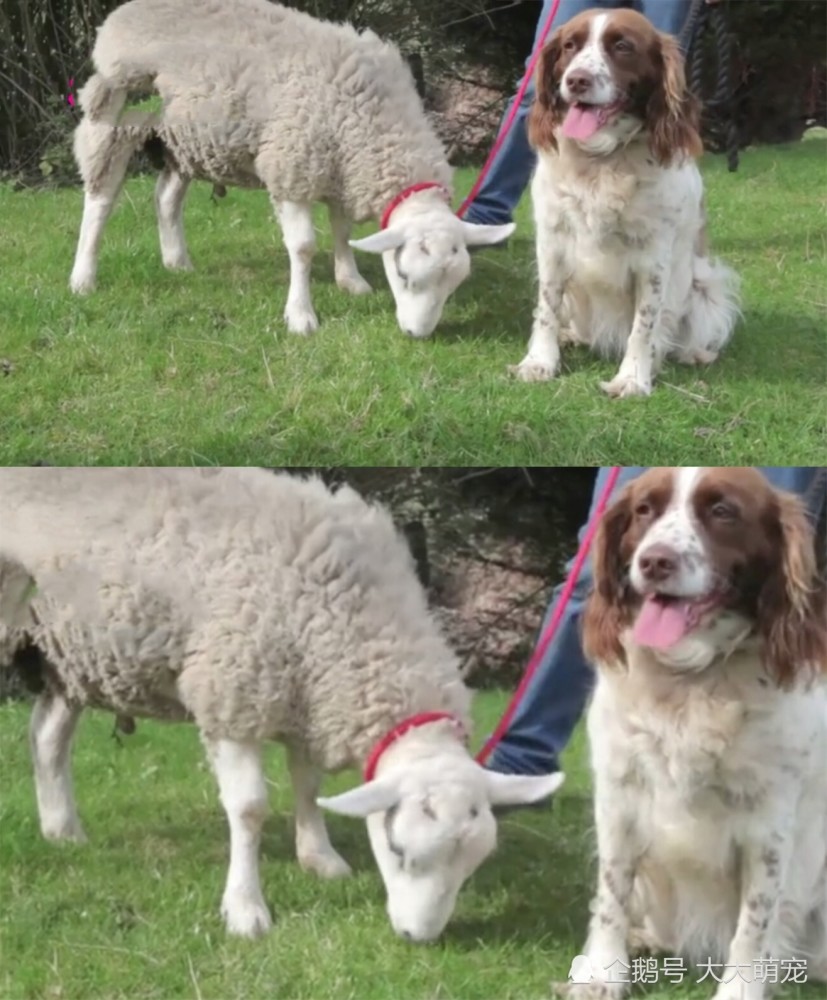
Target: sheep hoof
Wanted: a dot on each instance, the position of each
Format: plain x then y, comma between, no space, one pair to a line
353,284
300,320
327,865
70,832
82,283
179,264
245,916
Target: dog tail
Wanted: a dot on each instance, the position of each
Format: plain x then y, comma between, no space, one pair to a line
714,307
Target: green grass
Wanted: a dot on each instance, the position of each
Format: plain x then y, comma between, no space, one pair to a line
163,368
134,913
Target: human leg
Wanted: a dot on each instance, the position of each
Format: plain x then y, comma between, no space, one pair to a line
556,696
805,480
666,15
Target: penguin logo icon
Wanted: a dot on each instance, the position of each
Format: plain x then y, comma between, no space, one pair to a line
581,969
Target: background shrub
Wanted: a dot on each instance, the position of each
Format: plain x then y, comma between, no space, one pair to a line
464,52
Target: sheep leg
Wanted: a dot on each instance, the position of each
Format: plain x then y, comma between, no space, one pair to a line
344,263
313,847
170,191
240,777
296,222
103,154
50,736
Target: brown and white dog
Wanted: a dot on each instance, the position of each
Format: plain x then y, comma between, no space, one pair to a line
618,206
708,732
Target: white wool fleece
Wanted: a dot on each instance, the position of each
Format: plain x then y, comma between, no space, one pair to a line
262,606
255,93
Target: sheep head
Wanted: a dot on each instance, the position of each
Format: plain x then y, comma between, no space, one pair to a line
425,254
431,825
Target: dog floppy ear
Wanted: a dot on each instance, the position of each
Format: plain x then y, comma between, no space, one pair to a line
546,112
673,113
603,616
792,605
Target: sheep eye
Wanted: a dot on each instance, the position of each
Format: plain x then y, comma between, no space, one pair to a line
393,844
396,260
474,812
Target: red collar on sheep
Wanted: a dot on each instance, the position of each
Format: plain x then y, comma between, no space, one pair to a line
403,195
412,722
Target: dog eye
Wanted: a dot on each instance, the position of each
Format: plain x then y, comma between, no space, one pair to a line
723,511
643,509
622,45
569,46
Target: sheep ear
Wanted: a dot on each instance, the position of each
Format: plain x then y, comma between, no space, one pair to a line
372,797
478,236
385,239
521,789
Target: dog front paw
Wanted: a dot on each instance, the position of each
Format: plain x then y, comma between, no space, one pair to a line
623,386
530,370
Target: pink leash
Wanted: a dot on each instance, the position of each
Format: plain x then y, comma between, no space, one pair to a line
560,607
506,128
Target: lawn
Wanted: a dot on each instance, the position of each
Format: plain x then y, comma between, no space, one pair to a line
134,913
170,368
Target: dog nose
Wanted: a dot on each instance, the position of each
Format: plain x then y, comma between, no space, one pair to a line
579,81
658,562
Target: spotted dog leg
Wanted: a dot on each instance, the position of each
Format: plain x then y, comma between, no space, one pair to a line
606,948
763,866
641,360
543,356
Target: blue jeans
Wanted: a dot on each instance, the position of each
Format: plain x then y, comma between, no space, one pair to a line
557,695
512,169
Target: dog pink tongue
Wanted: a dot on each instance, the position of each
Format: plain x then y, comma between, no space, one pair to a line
661,624
581,122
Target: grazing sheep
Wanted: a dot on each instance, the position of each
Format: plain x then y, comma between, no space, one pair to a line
258,95
261,607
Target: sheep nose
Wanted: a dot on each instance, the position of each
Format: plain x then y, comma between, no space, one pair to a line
579,81
658,562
